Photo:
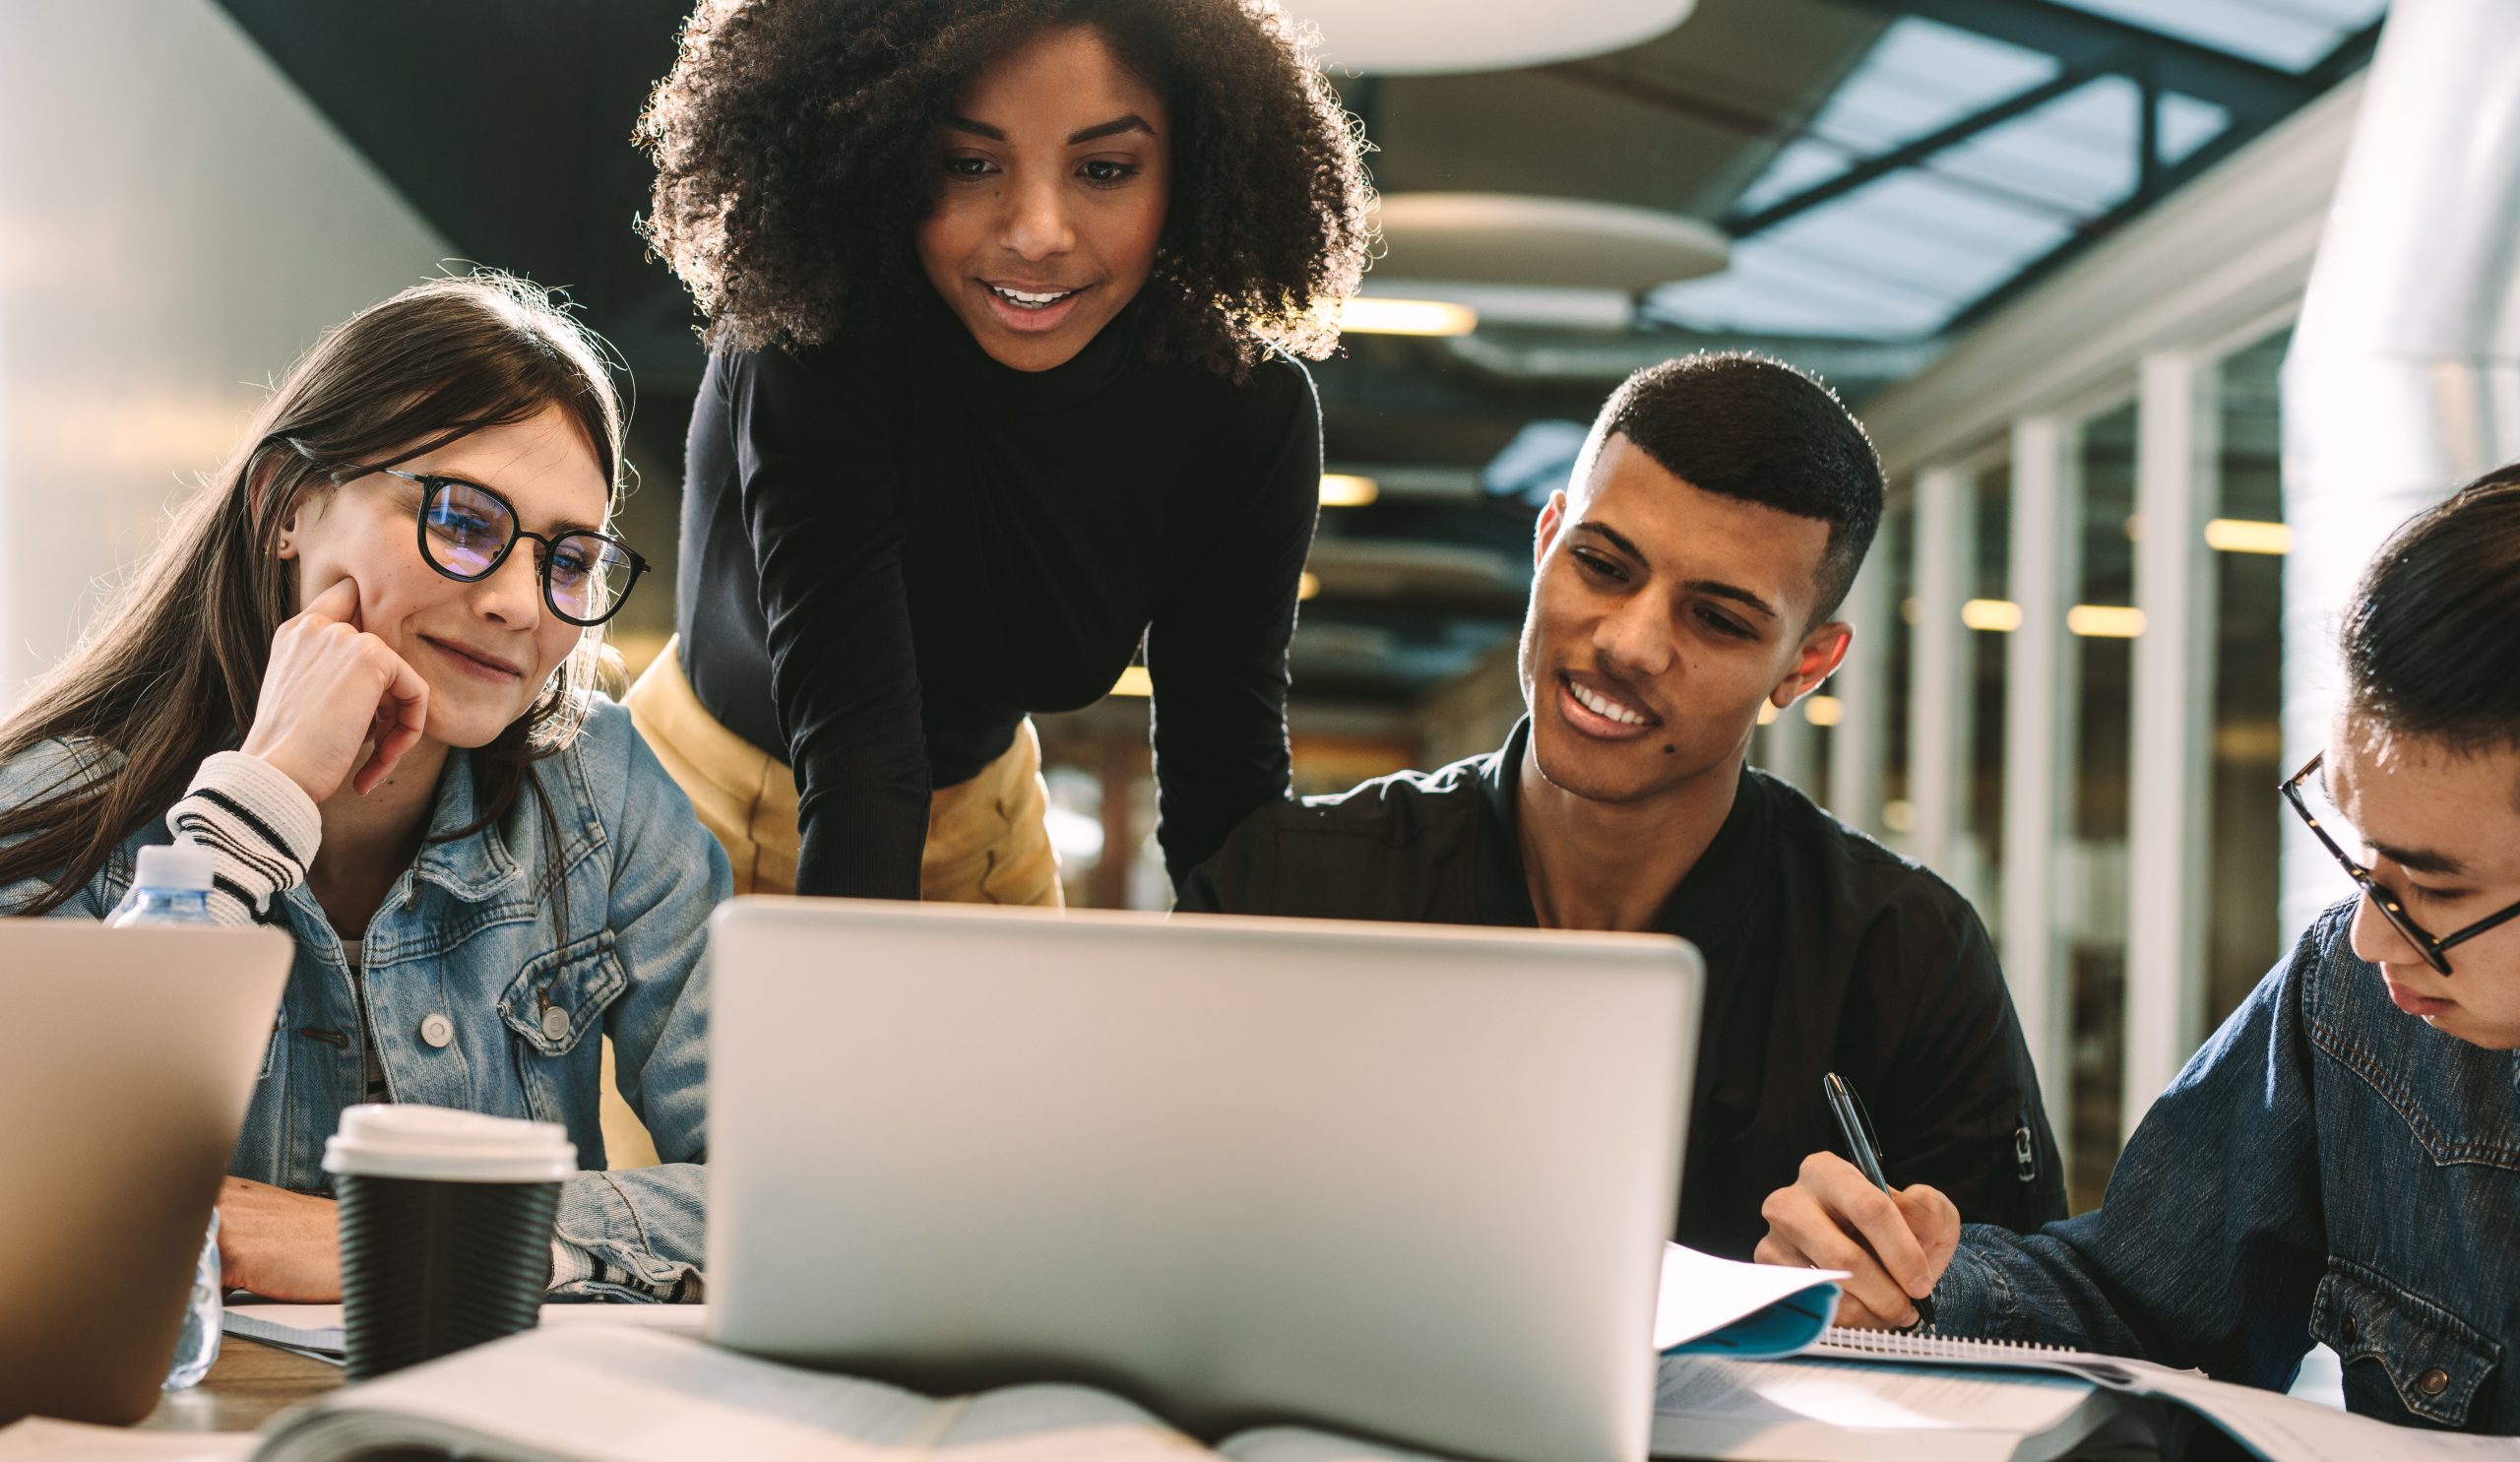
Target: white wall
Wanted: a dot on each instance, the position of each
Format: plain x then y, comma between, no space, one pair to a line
176,224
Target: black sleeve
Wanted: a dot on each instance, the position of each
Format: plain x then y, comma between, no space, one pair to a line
1217,652
1237,880
1960,1094
821,499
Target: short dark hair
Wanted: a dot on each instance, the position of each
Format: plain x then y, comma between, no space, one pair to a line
2431,636
1746,427
795,151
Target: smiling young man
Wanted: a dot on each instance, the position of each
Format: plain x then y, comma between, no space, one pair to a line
1687,577
2341,1162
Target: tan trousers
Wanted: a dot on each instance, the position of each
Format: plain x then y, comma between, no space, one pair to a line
989,840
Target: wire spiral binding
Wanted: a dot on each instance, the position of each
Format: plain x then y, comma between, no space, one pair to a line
1940,1347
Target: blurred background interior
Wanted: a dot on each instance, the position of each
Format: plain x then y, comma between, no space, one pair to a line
2052,251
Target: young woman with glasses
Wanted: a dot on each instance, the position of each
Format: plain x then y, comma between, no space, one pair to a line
2341,1162
360,671
1005,300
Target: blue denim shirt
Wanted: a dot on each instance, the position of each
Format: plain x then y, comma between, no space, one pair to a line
472,933
2327,1169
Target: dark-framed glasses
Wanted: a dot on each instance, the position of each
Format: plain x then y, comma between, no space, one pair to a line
2319,813
466,531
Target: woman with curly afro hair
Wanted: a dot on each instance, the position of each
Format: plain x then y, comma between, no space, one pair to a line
1004,300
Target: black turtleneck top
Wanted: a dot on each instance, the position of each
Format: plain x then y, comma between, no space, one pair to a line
892,554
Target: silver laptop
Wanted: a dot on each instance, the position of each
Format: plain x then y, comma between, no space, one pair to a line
127,1059
1402,1181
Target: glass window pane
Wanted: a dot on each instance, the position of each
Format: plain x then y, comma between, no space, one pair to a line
1920,77
1981,851
2093,881
1894,548
2077,152
2243,935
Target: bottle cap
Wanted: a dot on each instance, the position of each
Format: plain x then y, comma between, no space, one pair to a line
179,868
445,1144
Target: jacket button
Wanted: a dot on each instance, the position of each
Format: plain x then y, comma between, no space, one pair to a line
555,1023
438,1030
2433,1382
2353,1330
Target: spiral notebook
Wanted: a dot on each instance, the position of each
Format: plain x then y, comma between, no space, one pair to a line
2270,1424
2114,1371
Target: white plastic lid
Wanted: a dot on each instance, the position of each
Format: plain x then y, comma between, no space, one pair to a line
442,1144
178,868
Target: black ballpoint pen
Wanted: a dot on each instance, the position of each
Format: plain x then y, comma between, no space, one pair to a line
1867,1153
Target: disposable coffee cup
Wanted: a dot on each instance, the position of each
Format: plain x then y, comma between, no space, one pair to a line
445,1229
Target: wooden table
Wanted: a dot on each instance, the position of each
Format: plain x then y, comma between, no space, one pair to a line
246,1386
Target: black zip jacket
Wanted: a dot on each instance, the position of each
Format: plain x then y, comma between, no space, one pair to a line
1824,952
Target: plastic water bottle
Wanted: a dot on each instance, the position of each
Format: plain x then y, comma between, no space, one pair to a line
172,888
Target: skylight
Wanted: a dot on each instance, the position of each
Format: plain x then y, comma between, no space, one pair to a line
1899,255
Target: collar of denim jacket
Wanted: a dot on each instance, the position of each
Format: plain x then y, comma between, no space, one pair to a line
480,863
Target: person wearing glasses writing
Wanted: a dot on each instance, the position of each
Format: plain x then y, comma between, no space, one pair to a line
359,670
2341,1161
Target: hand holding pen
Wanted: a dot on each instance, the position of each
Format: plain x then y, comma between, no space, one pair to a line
1893,1242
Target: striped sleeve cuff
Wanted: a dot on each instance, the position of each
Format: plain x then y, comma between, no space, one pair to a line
577,1272
260,827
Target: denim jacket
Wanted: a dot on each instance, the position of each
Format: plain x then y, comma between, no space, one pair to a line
2327,1169
472,933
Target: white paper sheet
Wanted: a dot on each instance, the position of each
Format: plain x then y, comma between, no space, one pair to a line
1701,1293
317,1329
1709,1407
2293,1431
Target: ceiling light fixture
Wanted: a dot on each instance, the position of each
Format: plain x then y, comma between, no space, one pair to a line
1999,615
2242,536
1420,38
1373,315
2104,621
1347,490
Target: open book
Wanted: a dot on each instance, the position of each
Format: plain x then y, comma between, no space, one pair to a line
609,1392
640,1382
645,1393
606,1394
592,1394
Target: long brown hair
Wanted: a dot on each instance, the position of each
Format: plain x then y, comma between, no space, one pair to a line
171,669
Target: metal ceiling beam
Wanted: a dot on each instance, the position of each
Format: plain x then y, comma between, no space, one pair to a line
1613,81
2079,38
1911,153
2349,55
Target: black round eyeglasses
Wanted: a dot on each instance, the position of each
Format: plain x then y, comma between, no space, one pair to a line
466,531
2435,951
